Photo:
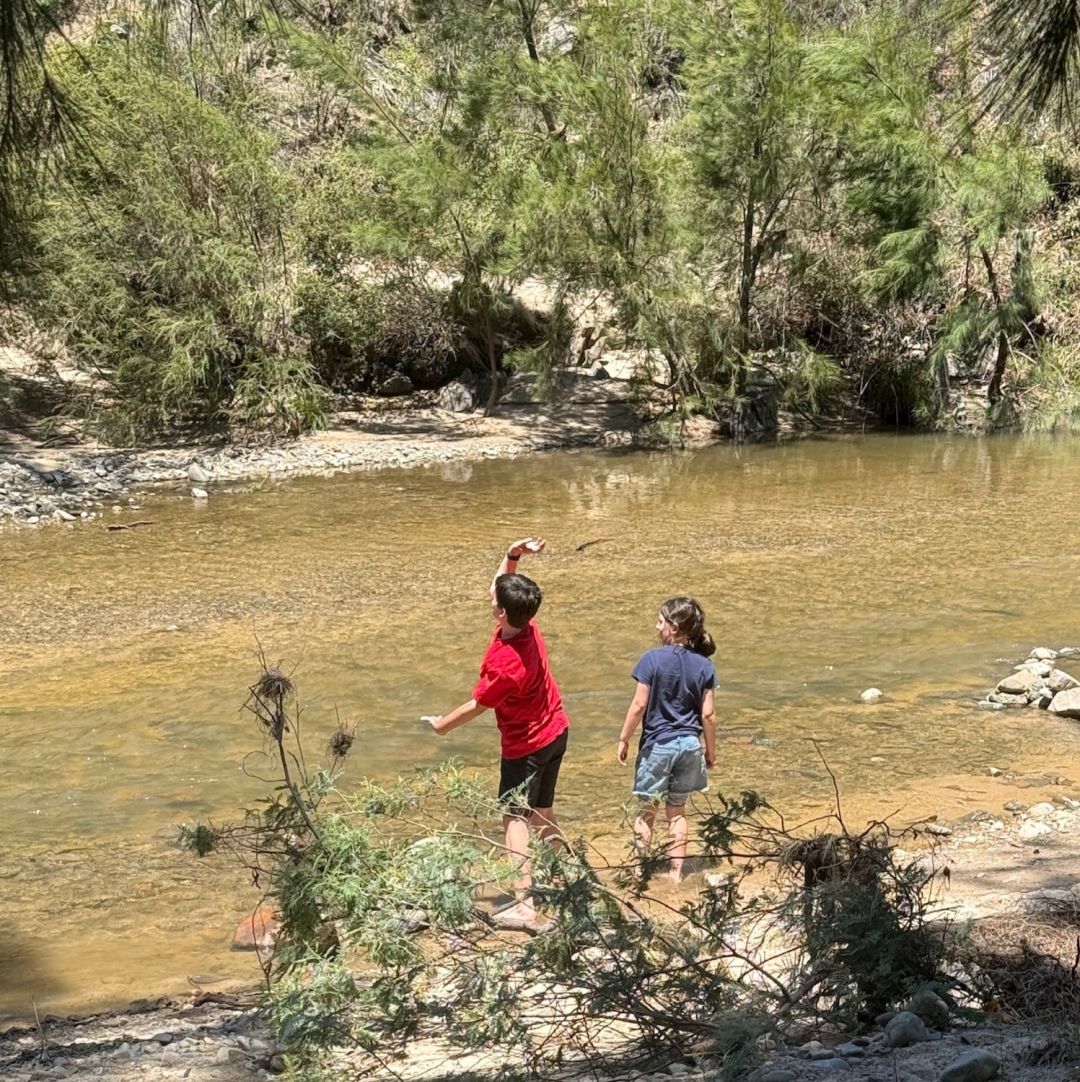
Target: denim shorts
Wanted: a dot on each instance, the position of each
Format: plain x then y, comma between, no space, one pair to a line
672,770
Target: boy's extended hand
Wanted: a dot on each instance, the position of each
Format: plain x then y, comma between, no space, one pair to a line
529,546
624,750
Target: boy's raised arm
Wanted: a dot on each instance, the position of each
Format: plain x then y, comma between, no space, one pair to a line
533,545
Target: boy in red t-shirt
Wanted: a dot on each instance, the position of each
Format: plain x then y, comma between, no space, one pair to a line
516,682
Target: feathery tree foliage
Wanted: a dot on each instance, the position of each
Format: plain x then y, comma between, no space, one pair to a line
269,201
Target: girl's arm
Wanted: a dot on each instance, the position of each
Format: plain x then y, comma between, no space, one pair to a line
633,719
708,727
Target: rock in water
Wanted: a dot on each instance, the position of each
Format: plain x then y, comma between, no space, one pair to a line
906,1028
1041,653
1019,683
257,932
197,475
1066,704
200,494
1060,680
871,695
975,1066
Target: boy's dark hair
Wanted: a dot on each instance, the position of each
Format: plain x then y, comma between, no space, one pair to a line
519,597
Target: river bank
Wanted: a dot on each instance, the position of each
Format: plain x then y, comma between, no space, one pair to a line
999,881
41,485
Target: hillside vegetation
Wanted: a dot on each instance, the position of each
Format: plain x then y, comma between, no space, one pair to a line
231,213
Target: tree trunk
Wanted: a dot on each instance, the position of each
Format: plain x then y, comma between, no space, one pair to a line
493,368
993,390
746,289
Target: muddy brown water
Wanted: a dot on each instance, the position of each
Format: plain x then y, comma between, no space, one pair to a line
923,566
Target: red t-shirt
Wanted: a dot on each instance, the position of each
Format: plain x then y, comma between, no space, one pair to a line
516,682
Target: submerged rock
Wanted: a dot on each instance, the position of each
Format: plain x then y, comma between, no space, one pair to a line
871,695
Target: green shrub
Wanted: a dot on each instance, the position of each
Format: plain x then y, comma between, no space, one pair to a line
162,258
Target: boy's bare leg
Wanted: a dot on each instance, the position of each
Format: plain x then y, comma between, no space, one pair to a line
677,833
545,824
517,845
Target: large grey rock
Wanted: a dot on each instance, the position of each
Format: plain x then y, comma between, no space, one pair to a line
906,1028
975,1066
197,475
1066,704
1018,683
397,384
931,1008
1060,680
455,397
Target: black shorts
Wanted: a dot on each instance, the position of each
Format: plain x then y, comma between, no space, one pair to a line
540,770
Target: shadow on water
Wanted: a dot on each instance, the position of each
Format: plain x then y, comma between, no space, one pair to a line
27,976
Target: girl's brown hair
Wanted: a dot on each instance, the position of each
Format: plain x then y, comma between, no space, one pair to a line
688,616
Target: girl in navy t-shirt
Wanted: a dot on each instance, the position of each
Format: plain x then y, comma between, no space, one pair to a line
673,703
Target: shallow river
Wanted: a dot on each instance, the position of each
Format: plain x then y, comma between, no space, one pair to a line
919,565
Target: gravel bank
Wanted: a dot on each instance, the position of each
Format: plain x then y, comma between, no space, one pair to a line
40,486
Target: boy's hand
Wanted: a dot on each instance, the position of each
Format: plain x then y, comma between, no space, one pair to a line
433,720
710,761
624,750
529,546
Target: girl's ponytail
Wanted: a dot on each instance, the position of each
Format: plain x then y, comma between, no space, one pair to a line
688,616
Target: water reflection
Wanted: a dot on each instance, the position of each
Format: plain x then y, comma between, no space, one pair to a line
912,564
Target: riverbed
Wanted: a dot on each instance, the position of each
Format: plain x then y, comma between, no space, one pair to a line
920,565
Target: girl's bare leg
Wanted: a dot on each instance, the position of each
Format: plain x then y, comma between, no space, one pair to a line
677,832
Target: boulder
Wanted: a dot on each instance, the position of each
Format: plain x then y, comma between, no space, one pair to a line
931,1008
906,1028
977,1065
1066,704
1060,680
197,475
259,931
455,397
1018,683
397,384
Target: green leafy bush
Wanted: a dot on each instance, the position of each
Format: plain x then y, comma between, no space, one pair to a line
162,257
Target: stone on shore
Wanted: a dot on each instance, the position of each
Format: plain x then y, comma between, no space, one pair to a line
906,1028
197,475
931,1008
1066,704
455,397
975,1066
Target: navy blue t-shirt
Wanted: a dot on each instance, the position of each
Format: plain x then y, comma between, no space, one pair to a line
678,679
